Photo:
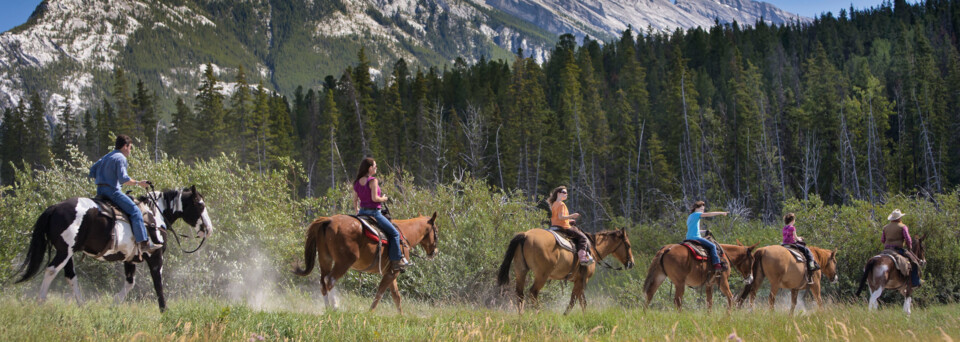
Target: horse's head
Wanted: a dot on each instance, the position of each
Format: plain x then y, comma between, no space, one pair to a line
744,263
620,244
920,251
187,203
431,237
829,268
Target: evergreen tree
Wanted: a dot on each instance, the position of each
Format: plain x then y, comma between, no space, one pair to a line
240,114
89,140
37,135
126,120
144,105
13,134
183,135
65,133
212,130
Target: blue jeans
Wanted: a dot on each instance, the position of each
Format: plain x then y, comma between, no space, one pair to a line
711,249
126,204
393,236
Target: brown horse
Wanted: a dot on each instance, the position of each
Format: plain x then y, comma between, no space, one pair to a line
881,273
676,262
539,252
776,262
340,245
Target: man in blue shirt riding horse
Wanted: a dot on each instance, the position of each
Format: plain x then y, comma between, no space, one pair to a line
110,173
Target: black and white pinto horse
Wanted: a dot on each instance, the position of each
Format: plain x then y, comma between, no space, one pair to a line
75,225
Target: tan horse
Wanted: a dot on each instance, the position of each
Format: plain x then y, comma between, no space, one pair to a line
776,262
676,262
338,242
881,273
539,252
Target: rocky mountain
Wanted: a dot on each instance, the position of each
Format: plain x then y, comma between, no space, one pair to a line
68,49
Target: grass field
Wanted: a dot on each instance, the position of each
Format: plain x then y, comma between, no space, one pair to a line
302,318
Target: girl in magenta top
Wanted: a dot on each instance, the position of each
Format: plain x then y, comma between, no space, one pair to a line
790,238
367,199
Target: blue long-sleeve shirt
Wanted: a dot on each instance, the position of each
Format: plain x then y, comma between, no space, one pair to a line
111,170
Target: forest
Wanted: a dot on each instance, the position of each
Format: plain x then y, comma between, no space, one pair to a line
857,106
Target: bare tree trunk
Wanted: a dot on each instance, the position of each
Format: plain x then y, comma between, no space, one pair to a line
931,173
499,165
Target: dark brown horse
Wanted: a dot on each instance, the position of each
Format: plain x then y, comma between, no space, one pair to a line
881,273
785,272
539,252
677,263
339,243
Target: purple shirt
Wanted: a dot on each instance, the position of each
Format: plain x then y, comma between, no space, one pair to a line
363,192
789,234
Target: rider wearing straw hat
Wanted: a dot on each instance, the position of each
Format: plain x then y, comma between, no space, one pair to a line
896,236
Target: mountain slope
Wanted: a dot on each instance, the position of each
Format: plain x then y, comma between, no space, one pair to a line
68,48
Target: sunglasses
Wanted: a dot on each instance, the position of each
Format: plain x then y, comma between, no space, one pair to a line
563,191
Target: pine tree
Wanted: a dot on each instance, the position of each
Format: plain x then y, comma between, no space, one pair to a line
212,130
240,114
282,135
182,136
328,130
65,133
37,140
13,134
89,142
144,105
126,120
106,128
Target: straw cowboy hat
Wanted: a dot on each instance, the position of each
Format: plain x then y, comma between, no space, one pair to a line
895,215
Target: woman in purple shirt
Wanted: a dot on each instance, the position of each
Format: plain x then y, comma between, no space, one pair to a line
790,238
367,199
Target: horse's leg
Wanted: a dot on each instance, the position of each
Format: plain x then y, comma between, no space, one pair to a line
725,289
520,274
68,271
654,285
395,291
678,295
907,299
575,294
873,302
326,266
388,278
59,261
155,262
708,290
815,291
793,299
583,296
539,280
129,271
774,289
340,268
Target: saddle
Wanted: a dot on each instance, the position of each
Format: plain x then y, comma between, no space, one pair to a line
698,251
562,241
372,230
796,252
901,262
108,209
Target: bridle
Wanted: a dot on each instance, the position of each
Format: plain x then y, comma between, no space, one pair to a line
601,262
154,197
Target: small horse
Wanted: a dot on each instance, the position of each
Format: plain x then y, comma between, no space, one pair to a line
75,225
881,273
776,262
339,243
677,263
540,253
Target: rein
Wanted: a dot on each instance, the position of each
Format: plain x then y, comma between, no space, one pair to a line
154,197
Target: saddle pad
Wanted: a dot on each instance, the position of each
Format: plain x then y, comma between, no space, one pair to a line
901,262
698,251
797,254
106,208
562,241
372,230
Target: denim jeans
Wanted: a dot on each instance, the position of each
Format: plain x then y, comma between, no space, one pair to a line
126,204
393,236
711,249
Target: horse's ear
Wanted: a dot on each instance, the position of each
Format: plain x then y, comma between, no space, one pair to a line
924,236
738,243
193,188
433,218
833,254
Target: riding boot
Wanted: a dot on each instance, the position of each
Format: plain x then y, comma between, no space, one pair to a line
585,258
149,247
399,265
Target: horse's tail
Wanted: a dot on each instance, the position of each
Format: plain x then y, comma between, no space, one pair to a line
504,275
655,265
38,247
866,273
757,276
314,234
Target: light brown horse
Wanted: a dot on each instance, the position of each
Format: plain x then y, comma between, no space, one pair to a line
785,272
677,263
539,252
881,273
339,243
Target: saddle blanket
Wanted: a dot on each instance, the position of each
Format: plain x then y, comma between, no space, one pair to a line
562,240
372,230
901,262
698,251
797,254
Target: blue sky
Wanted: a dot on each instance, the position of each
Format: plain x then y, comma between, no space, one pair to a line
15,12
